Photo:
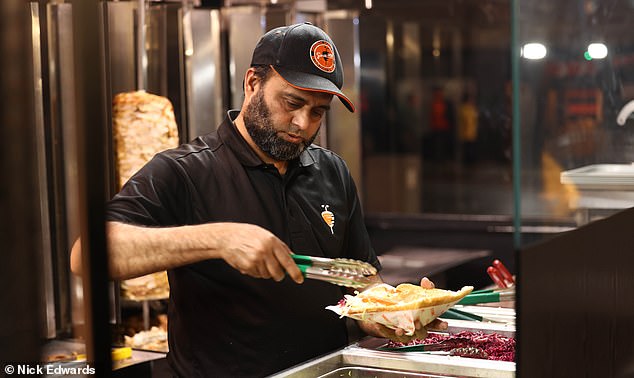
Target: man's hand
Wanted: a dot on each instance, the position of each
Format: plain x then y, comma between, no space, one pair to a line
379,330
137,250
256,252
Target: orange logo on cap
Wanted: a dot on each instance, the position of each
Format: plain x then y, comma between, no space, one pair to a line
323,56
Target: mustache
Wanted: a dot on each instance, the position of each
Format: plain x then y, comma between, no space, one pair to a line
294,132
307,140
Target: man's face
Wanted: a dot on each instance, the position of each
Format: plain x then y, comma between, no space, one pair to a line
282,120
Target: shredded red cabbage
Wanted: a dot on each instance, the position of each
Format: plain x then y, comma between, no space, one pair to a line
496,346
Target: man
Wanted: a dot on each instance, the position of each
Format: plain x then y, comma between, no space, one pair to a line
468,128
441,125
224,213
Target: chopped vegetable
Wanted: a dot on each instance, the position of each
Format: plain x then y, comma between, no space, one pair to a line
494,345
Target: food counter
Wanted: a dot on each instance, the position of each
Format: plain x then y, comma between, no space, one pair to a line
62,356
603,189
365,359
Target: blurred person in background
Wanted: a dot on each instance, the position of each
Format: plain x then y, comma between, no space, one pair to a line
468,129
440,141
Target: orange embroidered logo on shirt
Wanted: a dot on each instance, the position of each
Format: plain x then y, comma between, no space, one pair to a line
323,56
328,217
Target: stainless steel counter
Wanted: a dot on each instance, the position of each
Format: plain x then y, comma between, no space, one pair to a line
361,359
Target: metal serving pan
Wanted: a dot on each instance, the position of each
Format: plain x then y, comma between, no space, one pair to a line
362,359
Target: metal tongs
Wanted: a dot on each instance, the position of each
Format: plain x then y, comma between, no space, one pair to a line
339,271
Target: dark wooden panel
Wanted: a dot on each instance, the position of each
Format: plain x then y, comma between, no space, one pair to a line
576,302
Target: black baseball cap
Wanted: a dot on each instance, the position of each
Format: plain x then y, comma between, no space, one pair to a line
304,56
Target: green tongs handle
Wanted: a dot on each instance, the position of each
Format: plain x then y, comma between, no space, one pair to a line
487,298
302,260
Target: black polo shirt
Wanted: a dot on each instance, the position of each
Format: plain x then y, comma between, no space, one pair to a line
221,322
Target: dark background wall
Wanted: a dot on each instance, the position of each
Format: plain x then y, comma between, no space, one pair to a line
433,232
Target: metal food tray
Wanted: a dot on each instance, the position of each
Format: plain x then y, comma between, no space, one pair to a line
363,360
601,177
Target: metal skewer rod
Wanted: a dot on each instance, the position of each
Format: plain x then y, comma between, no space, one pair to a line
141,56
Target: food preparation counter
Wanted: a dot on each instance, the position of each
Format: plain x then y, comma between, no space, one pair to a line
363,359
69,354
603,189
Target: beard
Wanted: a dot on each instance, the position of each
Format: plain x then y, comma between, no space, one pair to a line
259,125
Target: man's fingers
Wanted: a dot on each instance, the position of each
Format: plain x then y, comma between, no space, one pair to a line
426,283
420,333
274,268
437,325
287,262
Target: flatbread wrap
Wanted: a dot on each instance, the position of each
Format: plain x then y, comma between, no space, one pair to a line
400,306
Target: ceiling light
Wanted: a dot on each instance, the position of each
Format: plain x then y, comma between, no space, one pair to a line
533,51
597,50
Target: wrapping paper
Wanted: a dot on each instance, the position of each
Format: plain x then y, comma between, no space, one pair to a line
399,319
